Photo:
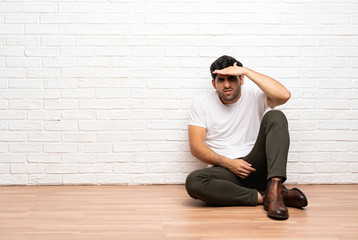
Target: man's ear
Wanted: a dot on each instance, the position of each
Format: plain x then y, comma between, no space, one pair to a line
213,83
242,80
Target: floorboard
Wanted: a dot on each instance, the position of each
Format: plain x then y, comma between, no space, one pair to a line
167,212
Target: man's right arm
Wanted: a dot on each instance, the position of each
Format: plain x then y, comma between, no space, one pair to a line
201,151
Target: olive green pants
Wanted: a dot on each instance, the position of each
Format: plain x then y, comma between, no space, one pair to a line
219,186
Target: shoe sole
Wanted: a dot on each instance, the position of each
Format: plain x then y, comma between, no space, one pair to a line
277,217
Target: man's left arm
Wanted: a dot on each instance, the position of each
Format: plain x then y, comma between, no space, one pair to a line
276,93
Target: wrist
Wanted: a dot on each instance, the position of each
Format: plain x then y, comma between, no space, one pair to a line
246,71
225,162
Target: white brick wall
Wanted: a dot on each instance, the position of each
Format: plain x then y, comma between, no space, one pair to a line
98,92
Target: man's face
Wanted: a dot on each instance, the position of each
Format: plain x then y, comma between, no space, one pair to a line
228,87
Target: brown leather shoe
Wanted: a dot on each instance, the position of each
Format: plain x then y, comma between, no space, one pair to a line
273,202
294,197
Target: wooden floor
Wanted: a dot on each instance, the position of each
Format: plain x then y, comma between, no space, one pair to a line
166,212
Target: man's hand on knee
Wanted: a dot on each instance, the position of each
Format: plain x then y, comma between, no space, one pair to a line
240,167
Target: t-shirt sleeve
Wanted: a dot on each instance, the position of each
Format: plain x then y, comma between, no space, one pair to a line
261,98
197,114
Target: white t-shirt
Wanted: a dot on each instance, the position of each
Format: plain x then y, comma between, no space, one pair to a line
232,129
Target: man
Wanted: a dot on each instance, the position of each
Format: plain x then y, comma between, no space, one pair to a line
228,128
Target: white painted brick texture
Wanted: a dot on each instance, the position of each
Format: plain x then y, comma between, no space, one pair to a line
99,92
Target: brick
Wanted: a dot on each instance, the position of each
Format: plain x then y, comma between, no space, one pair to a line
43,94
23,40
13,158
167,146
91,29
333,104
44,158
10,7
302,146
4,104
60,104
169,104
93,41
94,62
120,179
181,52
149,157
12,73
10,179
113,115
79,179
78,137
113,51
163,125
44,137
77,93
315,178
128,125
22,125
95,104
344,178
128,104
77,72
113,157
17,168
72,83
13,115
60,148
95,148
61,168
13,29
25,147
332,147
79,115
95,83
42,115
41,51
29,62
333,125
129,146
152,135
41,29
26,84
4,169
58,62
39,7
317,115
95,125
345,156
78,158
139,179
112,93
56,18
77,51
65,125
43,73
95,168
3,83
45,180
138,168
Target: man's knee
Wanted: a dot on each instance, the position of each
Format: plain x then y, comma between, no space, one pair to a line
275,117
193,183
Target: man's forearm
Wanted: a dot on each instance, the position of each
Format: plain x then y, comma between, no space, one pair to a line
239,167
206,155
272,88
